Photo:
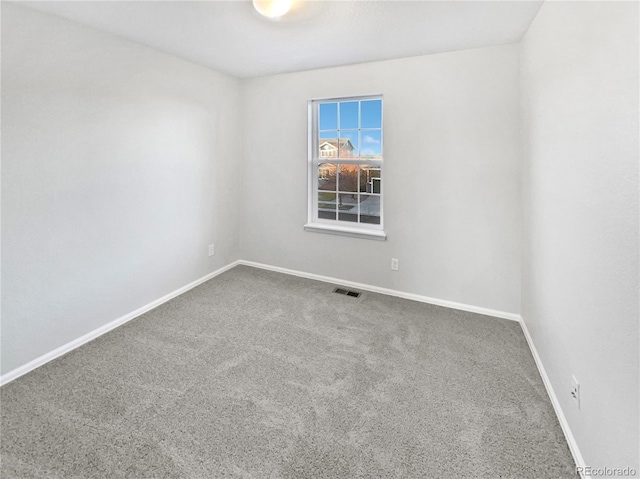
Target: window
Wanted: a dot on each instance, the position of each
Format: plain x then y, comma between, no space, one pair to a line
345,166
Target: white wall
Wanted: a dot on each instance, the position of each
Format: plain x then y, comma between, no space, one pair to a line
580,183
119,167
452,152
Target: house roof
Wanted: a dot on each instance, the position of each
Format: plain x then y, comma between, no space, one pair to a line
344,143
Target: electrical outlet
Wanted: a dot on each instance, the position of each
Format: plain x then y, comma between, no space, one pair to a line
575,391
394,264
211,250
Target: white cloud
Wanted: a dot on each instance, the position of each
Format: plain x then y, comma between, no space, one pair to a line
370,139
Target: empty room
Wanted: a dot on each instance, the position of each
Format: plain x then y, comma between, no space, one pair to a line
320,239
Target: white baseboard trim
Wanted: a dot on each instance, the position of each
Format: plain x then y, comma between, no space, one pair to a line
76,343
573,446
390,292
564,424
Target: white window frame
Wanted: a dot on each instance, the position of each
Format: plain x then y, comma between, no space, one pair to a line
347,228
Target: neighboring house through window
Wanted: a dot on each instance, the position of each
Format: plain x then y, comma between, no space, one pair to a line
345,166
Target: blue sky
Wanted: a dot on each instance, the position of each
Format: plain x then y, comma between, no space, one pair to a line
369,142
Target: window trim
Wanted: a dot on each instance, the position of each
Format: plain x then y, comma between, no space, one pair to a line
338,227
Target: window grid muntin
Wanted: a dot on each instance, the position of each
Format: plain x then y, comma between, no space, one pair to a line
359,129
316,160
337,191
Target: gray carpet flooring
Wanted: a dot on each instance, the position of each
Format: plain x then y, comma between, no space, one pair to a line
264,375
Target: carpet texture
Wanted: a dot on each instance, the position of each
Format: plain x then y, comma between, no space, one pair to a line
264,375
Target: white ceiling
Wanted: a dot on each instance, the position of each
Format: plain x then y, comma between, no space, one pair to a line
231,37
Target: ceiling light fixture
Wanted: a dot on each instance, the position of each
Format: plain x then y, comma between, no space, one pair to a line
272,8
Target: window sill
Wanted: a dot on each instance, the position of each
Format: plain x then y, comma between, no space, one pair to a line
344,231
